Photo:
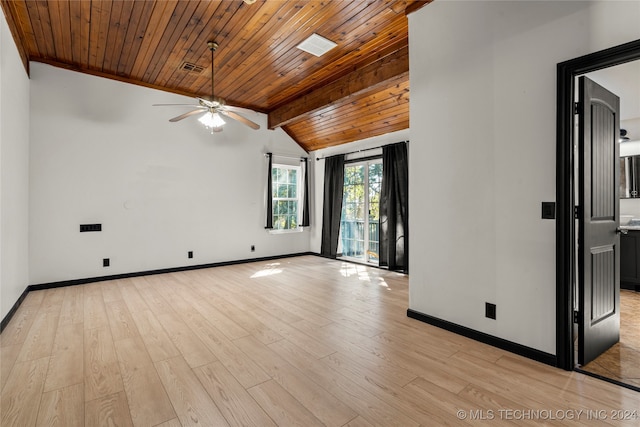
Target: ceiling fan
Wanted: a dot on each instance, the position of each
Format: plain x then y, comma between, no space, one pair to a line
212,111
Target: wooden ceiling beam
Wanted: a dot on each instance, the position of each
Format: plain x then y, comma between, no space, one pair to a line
364,80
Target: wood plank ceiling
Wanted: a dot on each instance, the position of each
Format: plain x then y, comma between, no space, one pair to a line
358,90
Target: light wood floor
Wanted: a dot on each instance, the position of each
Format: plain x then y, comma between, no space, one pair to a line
294,342
622,361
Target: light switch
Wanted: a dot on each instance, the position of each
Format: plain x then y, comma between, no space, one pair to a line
548,210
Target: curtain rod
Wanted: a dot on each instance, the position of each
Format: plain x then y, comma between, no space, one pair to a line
359,151
286,157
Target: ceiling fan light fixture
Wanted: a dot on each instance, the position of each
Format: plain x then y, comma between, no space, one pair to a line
212,121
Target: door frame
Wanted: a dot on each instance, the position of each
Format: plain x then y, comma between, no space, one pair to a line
365,161
565,181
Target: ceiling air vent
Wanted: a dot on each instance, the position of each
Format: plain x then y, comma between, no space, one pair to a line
316,45
192,68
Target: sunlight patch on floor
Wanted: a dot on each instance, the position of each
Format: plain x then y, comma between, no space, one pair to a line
362,272
383,283
349,270
269,270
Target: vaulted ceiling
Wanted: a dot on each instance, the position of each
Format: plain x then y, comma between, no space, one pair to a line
357,90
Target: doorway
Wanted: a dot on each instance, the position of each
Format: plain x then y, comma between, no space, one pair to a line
360,219
566,189
621,362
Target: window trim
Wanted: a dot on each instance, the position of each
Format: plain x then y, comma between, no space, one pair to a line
299,199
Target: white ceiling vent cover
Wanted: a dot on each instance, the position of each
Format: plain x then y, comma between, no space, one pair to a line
316,45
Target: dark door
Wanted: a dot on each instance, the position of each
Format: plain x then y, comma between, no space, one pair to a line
599,241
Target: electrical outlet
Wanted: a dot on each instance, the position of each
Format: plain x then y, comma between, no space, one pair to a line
105,262
190,254
253,248
490,310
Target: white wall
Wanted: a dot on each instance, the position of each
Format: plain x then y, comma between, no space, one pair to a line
317,175
100,153
483,96
14,172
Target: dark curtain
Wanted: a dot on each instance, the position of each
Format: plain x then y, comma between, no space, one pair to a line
269,194
332,207
305,206
394,212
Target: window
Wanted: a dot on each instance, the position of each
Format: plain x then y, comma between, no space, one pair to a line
360,222
286,194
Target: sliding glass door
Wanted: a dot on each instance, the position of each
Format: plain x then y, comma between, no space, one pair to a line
360,222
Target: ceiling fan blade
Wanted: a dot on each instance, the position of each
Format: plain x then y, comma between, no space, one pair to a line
239,118
239,109
187,114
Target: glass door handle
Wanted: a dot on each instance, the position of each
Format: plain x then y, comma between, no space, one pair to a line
622,230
